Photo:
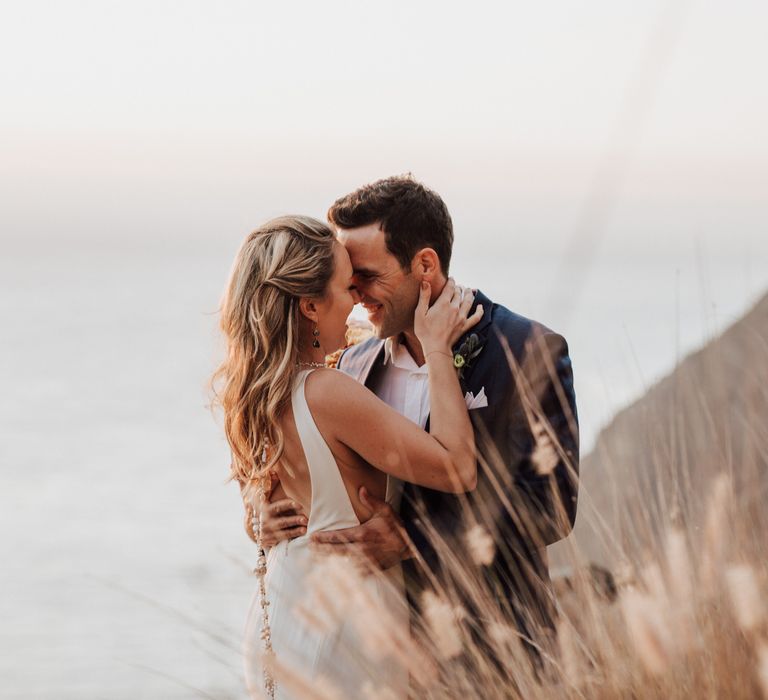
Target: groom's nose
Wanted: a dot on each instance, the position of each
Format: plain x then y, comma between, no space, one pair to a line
360,284
365,299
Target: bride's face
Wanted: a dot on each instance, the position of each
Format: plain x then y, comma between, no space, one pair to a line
334,309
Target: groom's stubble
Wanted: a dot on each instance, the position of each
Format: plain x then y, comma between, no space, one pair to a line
397,316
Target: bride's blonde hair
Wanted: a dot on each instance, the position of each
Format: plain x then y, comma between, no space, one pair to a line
279,263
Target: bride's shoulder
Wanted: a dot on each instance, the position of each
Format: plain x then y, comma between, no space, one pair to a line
332,394
328,383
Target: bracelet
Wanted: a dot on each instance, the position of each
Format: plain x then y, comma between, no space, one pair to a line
439,352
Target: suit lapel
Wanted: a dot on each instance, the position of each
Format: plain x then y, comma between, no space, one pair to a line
358,362
481,330
375,359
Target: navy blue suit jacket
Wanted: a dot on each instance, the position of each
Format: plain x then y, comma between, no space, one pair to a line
524,502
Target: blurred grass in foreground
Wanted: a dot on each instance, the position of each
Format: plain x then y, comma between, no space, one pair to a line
661,586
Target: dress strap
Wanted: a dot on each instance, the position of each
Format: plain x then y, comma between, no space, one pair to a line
331,508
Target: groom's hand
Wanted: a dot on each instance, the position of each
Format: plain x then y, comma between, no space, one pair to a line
381,539
281,520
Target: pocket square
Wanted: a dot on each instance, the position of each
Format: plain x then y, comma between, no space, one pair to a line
476,401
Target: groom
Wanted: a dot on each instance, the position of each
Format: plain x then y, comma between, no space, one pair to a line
518,382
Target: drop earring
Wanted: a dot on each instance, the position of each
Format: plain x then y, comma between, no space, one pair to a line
316,341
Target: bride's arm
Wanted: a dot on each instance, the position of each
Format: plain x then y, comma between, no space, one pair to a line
443,459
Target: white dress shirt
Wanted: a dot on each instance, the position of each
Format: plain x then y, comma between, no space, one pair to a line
404,386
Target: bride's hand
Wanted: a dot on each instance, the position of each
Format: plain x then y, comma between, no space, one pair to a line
439,326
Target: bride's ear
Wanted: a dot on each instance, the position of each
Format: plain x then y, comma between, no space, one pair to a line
308,308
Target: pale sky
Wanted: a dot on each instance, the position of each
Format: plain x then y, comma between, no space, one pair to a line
424,77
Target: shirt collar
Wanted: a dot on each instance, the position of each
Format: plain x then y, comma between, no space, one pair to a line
396,353
389,350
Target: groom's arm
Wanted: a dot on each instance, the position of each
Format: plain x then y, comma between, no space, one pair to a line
546,474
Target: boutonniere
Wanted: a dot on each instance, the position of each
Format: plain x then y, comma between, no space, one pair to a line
467,352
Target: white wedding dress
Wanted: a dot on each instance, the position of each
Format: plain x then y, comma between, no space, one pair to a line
332,656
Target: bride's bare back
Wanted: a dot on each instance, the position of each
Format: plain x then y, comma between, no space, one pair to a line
293,471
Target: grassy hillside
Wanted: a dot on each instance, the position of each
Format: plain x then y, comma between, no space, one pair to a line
654,464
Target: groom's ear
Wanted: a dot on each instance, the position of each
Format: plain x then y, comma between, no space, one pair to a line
308,308
425,264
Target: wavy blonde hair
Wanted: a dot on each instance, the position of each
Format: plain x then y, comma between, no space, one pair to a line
279,263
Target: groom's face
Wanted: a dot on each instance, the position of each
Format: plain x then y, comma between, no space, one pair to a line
388,292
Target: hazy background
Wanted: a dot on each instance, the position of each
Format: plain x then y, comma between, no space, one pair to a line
604,162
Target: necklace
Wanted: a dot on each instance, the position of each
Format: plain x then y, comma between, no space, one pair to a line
311,364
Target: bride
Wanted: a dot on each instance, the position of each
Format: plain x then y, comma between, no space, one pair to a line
324,436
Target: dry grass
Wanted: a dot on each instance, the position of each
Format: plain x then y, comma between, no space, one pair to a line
675,608
689,624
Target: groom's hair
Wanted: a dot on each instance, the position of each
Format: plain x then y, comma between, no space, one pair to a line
411,215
